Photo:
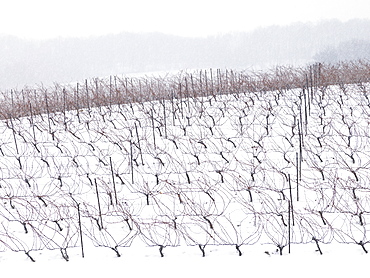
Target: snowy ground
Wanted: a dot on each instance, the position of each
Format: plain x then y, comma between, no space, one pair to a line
221,261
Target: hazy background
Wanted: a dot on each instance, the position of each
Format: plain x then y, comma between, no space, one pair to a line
45,41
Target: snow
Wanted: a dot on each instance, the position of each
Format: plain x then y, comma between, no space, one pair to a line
210,172
337,261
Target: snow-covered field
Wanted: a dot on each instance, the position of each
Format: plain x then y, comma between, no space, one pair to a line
337,261
276,177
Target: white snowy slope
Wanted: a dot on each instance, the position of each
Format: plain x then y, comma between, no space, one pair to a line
275,177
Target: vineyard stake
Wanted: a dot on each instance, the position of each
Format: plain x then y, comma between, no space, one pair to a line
114,184
97,196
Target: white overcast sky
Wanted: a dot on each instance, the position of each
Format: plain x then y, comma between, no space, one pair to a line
42,19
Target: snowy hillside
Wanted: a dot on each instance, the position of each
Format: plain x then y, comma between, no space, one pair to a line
251,173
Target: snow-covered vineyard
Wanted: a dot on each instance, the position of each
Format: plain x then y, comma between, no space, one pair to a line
288,166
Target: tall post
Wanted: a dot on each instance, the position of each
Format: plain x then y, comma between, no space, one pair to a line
114,184
97,195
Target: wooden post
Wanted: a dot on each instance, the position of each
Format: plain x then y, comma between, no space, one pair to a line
79,225
47,111
291,200
87,96
64,108
97,195
132,163
297,173
138,142
153,128
77,101
114,184
164,118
